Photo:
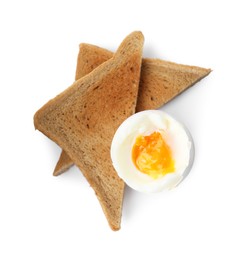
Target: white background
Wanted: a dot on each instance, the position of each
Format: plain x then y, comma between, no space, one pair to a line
44,217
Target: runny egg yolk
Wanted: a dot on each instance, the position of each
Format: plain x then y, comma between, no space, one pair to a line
152,155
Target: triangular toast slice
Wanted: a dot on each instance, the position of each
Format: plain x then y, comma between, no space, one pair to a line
160,82
83,119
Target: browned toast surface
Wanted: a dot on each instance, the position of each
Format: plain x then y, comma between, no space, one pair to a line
84,118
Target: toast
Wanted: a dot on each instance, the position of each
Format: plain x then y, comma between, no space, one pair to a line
160,82
83,119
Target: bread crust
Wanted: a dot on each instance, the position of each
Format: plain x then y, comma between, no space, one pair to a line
83,119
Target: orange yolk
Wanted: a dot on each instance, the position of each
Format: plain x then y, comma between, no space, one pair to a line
151,155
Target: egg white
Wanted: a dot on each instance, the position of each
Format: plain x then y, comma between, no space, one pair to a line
144,123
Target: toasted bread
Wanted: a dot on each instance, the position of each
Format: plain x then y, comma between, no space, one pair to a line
160,82
89,57
84,118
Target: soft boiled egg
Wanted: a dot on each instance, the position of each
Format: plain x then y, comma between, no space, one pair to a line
151,151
